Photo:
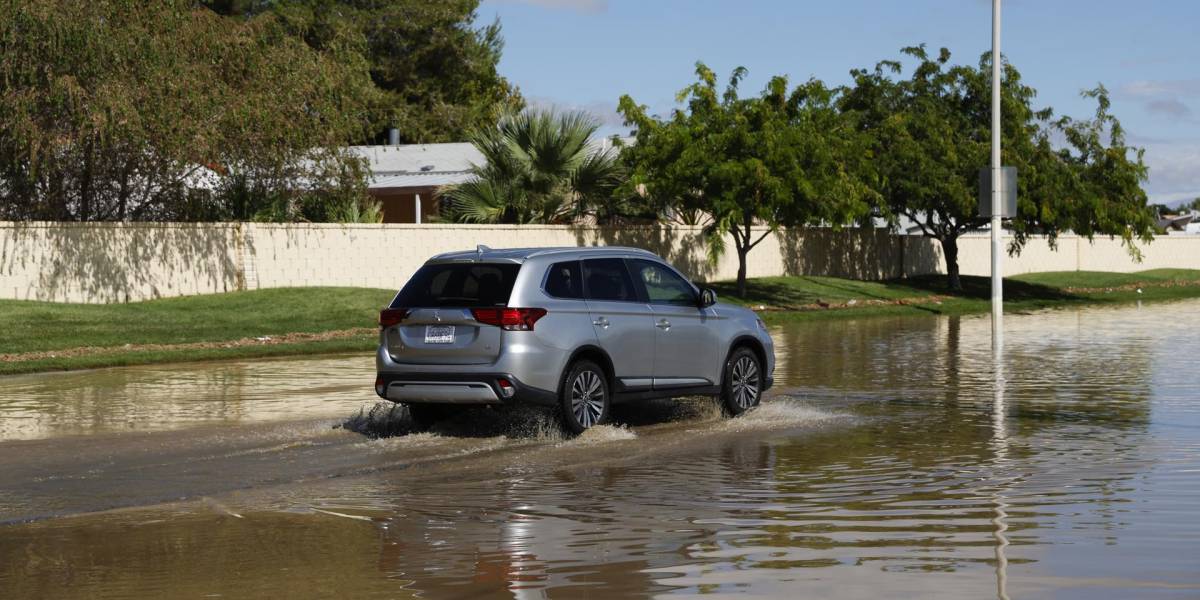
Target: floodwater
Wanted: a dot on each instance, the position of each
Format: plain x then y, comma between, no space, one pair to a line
895,459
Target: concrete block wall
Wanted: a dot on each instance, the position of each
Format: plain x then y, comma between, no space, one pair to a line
1077,253
125,262
116,262
282,255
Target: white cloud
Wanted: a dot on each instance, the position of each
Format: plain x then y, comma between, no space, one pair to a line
1168,106
1168,98
604,112
1174,170
1149,88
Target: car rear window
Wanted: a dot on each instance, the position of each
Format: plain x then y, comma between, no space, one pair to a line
459,284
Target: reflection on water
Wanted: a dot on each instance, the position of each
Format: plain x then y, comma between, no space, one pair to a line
175,396
1067,469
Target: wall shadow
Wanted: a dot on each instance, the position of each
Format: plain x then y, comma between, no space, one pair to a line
683,247
860,253
110,262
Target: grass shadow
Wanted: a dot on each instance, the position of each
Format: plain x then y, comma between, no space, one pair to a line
980,288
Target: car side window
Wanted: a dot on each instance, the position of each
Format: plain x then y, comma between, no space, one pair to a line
607,279
663,286
564,280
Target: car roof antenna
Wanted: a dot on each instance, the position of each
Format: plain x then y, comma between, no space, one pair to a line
480,249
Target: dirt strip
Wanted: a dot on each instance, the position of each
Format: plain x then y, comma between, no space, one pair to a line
267,340
1132,286
820,305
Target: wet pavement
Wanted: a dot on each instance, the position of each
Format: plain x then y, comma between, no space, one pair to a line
895,459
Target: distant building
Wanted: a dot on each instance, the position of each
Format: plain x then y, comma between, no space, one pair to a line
405,178
1186,223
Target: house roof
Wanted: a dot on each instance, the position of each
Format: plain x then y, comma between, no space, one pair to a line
419,180
419,158
418,165
431,165
1177,222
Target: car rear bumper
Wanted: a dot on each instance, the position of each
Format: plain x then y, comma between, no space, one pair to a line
429,392
459,388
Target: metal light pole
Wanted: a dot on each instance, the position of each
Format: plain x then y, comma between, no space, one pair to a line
997,197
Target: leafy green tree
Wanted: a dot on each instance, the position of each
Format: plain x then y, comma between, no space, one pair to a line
744,167
540,167
127,110
931,133
1102,192
435,73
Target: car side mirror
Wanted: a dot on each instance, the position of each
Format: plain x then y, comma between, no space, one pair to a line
707,297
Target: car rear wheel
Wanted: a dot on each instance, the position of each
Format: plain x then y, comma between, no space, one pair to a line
742,388
584,398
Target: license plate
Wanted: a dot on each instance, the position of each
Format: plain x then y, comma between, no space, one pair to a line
439,334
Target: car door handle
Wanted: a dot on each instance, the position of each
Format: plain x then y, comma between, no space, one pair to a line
601,322
663,324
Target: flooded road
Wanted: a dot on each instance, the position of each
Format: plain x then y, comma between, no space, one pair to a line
895,459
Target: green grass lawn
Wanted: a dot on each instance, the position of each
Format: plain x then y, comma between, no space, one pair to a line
34,326
798,298
1099,279
43,327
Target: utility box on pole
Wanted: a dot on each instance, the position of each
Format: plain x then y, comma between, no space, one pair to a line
1008,192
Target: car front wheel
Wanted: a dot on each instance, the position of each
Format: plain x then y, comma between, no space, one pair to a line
742,388
585,397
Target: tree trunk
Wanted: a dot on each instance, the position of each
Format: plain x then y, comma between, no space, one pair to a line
950,250
741,280
85,184
744,245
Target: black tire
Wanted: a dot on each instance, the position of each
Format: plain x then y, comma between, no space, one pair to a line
584,398
425,416
741,387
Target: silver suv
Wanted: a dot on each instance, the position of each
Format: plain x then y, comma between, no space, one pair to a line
573,328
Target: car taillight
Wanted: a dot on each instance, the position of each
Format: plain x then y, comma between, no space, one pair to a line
392,316
509,319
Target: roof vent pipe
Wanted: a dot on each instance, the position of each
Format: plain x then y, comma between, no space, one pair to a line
393,137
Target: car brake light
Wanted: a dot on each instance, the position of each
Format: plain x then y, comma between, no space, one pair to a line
509,319
392,316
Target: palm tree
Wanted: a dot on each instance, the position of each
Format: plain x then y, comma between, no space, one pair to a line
540,168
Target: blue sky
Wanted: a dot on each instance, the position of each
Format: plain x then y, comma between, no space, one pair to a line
584,54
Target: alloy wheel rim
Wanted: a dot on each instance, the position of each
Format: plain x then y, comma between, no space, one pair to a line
745,382
587,398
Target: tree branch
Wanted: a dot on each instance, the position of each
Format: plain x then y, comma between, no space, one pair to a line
912,215
761,237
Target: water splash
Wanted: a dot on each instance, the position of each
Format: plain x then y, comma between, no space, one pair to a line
383,420
602,434
779,413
